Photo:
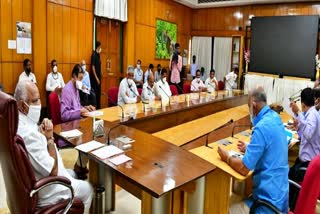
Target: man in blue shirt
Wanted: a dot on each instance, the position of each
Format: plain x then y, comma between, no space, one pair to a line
87,95
266,154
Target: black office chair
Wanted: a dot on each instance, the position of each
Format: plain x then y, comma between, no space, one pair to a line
263,203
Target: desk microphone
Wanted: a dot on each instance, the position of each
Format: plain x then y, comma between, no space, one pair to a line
239,126
108,141
216,129
116,104
295,97
165,94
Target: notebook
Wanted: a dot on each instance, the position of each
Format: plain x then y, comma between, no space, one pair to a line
90,146
71,134
125,139
120,159
107,152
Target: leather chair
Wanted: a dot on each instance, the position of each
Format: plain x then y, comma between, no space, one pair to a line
221,85
140,91
55,111
21,184
173,90
113,96
186,88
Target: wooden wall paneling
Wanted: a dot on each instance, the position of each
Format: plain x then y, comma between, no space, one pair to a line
16,12
1,74
7,69
66,38
88,40
82,35
6,33
66,2
89,5
74,3
66,71
129,36
27,17
17,68
58,29
74,32
145,45
145,12
82,4
50,32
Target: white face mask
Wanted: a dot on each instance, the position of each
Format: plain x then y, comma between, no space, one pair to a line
83,67
55,69
79,84
34,113
164,79
138,66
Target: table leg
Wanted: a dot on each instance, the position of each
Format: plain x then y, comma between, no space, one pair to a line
153,205
196,199
106,179
217,192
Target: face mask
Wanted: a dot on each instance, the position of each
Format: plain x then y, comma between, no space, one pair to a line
138,66
83,67
34,113
79,84
55,69
164,79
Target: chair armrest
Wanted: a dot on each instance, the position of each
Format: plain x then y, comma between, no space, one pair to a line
47,181
259,203
303,169
294,184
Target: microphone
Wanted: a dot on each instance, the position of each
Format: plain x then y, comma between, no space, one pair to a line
108,141
295,97
216,129
239,126
116,104
165,93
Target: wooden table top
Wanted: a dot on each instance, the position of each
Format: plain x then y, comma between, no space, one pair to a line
179,102
184,133
157,166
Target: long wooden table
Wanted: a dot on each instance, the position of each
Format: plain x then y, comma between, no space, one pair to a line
156,171
181,110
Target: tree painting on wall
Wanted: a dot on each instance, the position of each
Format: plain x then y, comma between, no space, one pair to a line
166,37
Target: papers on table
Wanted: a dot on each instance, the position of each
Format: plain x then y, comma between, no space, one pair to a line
107,152
125,139
235,154
71,134
119,159
95,113
224,142
87,147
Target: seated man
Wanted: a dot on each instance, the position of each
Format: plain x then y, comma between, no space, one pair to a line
162,87
43,154
128,92
87,95
27,74
197,84
309,133
55,80
71,108
266,154
148,91
211,83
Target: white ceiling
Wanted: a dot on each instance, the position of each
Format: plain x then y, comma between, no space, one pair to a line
194,3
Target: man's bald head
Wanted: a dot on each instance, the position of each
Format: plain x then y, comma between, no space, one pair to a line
151,80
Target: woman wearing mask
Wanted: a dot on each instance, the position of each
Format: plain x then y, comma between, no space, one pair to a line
176,66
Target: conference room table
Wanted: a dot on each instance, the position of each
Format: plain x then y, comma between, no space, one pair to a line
157,173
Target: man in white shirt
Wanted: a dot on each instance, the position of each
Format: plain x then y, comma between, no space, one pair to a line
211,82
128,92
230,79
138,75
27,74
43,154
55,80
148,72
197,84
162,87
148,91
193,67
87,95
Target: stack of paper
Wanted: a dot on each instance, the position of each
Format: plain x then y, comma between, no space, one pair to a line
95,113
71,134
125,140
90,146
119,159
107,152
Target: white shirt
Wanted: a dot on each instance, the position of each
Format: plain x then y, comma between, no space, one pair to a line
230,80
163,88
146,74
23,76
210,84
54,81
127,92
196,84
193,69
42,162
138,74
148,93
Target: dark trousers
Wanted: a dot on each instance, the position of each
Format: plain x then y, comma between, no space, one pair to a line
297,175
97,89
87,99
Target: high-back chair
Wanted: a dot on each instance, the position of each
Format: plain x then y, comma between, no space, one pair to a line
21,184
113,96
173,90
55,110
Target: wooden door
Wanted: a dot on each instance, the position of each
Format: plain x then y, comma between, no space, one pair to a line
109,34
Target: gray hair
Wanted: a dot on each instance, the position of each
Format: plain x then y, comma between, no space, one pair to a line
130,69
21,90
259,95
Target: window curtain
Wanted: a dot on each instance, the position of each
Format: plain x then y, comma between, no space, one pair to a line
222,56
112,9
201,48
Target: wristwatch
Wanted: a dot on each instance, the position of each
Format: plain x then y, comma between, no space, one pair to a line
50,140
